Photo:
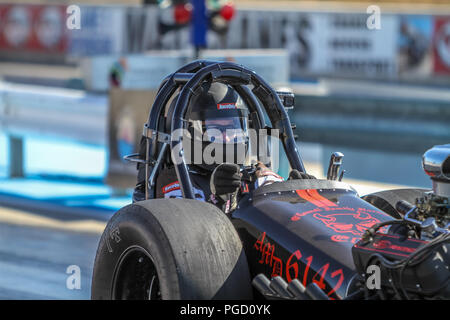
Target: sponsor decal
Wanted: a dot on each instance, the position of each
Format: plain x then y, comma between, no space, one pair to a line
342,220
244,188
297,267
313,196
352,222
268,255
226,106
342,238
171,187
386,244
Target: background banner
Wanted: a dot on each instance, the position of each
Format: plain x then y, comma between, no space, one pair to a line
33,28
406,47
441,41
102,32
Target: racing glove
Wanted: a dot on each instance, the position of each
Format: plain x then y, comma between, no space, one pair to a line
225,179
295,174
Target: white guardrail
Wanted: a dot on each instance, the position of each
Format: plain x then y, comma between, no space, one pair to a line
145,71
82,115
46,111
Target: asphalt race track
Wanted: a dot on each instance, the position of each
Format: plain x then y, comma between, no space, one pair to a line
35,253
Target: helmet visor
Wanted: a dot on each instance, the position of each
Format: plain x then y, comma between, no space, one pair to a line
225,130
229,130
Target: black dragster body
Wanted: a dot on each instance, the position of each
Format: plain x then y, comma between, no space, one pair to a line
306,230
296,239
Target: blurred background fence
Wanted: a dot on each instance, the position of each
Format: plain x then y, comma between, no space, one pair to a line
380,93
326,40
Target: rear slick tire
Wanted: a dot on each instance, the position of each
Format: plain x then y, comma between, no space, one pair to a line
170,249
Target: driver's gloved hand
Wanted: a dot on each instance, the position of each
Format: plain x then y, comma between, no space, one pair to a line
225,179
295,174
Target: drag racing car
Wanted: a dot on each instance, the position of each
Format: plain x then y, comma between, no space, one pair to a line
295,239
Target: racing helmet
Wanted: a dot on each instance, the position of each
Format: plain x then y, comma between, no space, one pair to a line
217,122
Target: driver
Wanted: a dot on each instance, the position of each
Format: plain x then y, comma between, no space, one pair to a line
217,149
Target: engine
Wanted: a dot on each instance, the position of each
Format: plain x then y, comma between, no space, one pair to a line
412,259
435,205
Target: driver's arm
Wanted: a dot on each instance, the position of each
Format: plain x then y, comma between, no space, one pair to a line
265,176
224,185
226,180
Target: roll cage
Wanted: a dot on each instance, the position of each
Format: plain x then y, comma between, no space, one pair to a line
188,78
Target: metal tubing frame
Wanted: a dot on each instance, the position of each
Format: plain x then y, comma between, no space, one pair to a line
221,72
190,77
166,89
